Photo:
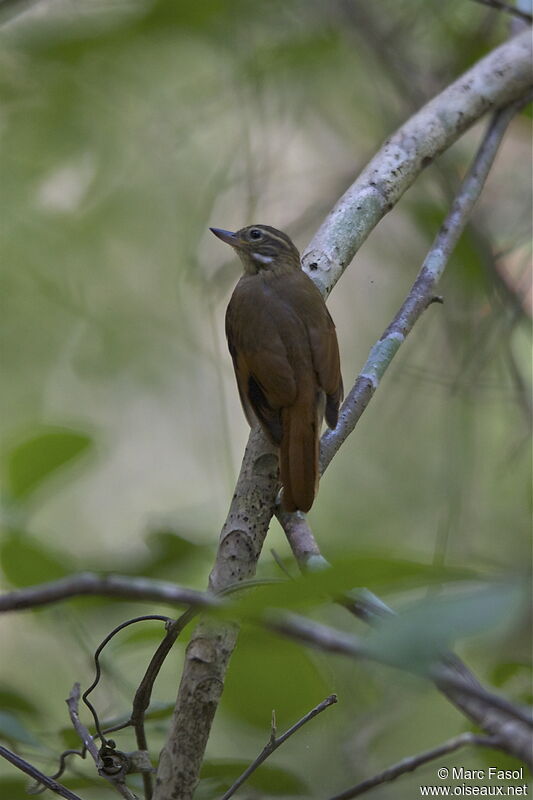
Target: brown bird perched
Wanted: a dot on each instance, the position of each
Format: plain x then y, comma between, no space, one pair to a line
285,354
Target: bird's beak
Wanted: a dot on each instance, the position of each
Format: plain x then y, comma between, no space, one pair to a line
227,236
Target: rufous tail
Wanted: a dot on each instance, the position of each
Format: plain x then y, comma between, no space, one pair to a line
298,455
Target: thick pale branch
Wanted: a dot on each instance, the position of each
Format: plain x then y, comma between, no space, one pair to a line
502,77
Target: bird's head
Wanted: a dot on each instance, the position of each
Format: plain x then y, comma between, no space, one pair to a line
262,248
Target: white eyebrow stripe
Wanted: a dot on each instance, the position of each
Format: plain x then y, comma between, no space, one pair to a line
263,259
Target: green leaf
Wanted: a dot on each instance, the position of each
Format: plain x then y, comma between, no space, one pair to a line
496,758
506,671
143,634
25,561
11,700
209,789
267,778
419,635
159,710
170,550
14,788
467,263
32,461
358,570
79,783
12,729
254,686
306,55
516,677
69,739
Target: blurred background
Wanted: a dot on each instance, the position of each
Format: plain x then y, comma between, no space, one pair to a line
127,128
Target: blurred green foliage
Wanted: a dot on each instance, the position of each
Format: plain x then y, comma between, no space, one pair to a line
218,775
127,128
30,462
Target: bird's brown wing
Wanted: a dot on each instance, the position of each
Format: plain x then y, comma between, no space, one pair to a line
323,343
264,374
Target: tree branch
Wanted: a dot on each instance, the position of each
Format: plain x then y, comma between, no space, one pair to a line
113,765
90,583
413,762
503,76
211,644
276,741
422,292
39,776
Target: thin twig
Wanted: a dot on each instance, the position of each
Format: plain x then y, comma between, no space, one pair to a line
39,776
102,758
422,291
142,743
276,741
413,762
143,694
141,701
127,587
62,765
83,733
445,679
361,602
323,637
500,5
304,547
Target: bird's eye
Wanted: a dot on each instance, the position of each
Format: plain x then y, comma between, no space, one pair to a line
255,234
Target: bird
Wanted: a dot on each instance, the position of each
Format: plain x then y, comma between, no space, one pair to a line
285,353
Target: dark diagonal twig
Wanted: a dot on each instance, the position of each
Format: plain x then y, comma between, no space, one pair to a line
413,762
500,5
276,741
39,776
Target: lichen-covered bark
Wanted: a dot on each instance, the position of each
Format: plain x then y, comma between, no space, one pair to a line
249,515
212,643
504,75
